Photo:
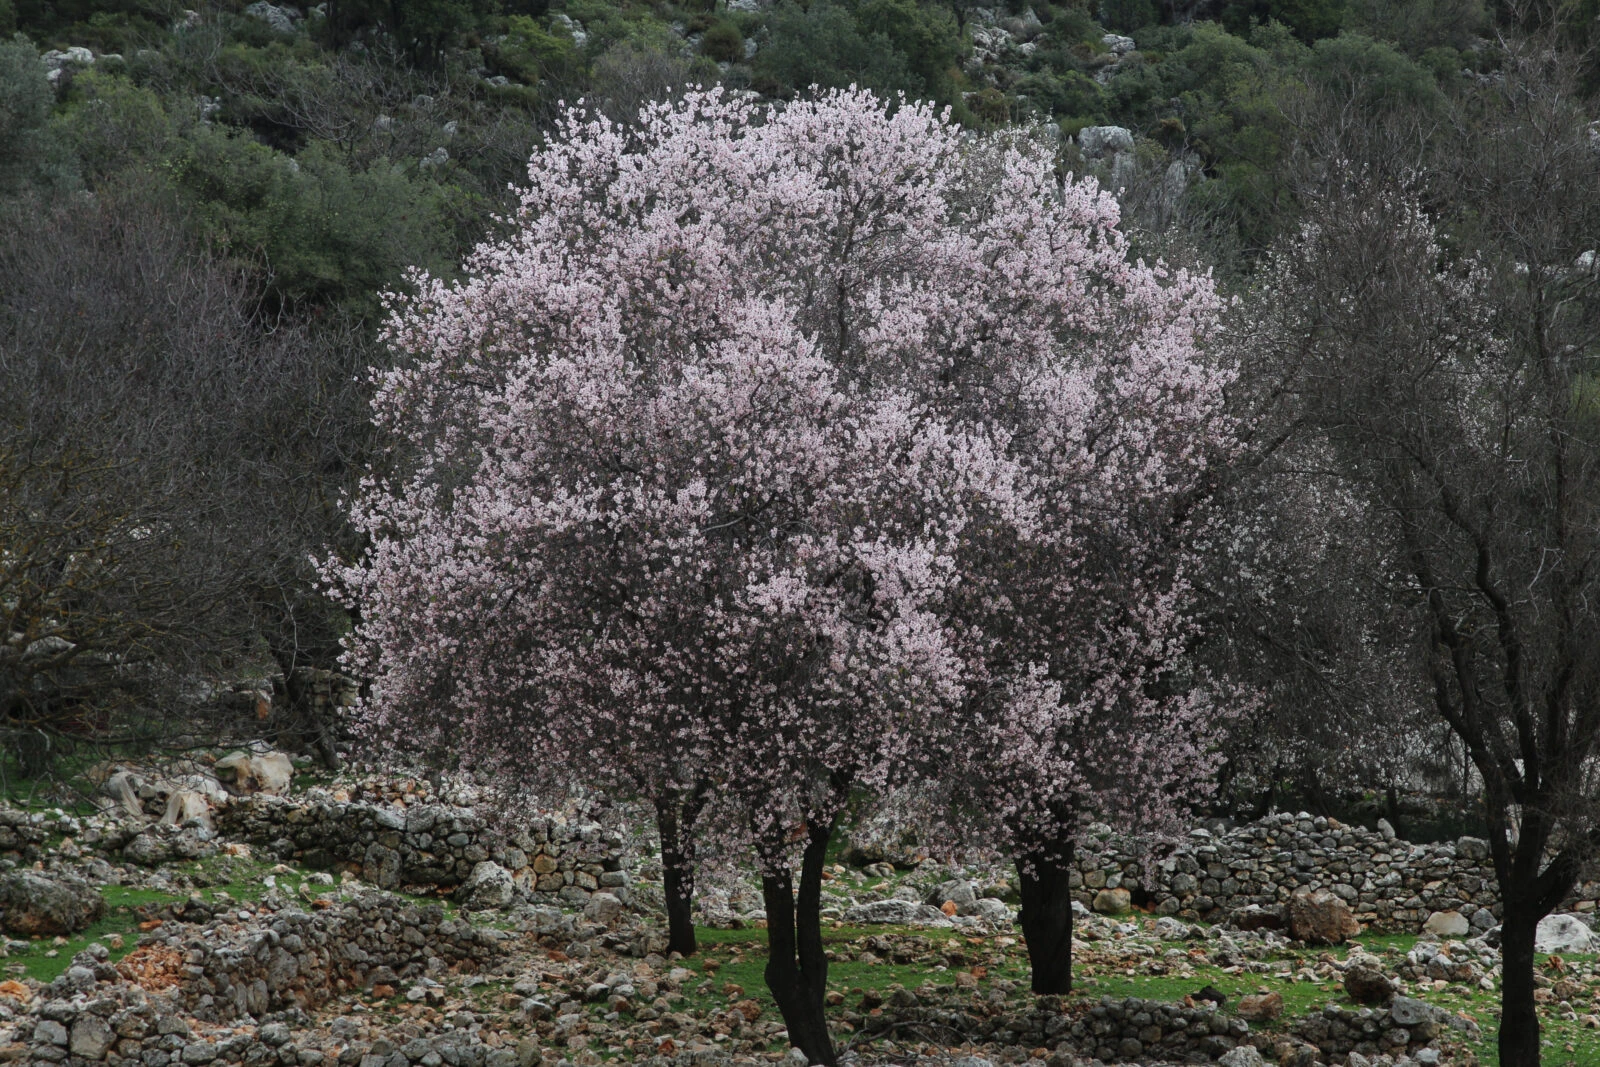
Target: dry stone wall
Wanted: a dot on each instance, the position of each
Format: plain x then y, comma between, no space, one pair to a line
432,844
300,959
227,973
1387,882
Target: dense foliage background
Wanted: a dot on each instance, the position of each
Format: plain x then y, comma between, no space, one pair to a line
324,150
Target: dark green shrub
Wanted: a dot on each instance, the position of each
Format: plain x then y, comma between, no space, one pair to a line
822,45
318,231
723,43
112,125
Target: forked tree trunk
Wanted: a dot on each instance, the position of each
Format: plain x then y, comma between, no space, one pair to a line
797,965
1519,1020
1047,920
675,818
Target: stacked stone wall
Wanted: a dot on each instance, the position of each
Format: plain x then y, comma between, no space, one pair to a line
301,959
1387,882
429,844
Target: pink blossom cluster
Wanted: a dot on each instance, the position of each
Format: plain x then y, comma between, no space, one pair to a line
793,453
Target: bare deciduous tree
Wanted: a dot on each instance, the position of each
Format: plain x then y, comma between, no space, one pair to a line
1439,317
168,461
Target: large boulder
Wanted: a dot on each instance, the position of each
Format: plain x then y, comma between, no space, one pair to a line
1563,933
33,904
987,909
147,849
122,790
1097,141
1368,985
489,887
1447,924
958,890
1113,902
1421,1019
603,907
262,772
896,912
187,808
1320,918
1260,1007
1255,917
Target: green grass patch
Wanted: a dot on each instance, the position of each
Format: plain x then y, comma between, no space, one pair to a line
44,959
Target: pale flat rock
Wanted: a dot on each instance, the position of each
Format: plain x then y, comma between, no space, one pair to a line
896,912
186,807
1563,933
1447,924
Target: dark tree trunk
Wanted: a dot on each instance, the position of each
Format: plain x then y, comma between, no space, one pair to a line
1392,800
797,965
1047,920
1519,1021
303,729
675,819
679,881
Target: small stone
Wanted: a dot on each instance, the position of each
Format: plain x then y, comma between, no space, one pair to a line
197,1052
91,1037
50,1032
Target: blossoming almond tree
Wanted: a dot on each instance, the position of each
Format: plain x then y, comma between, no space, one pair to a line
711,472
1081,702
